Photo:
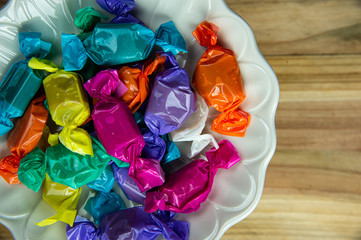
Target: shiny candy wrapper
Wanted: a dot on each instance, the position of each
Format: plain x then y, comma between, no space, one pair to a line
172,100
63,199
74,53
121,137
106,84
83,229
136,224
128,185
130,224
154,147
102,204
114,44
191,131
86,18
75,170
185,190
24,138
105,182
218,79
172,151
68,105
21,83
137,82
120,8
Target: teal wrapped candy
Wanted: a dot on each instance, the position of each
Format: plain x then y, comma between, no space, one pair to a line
102,204
105,182
114,44
74,170
32,169
172,151
74,53
21,83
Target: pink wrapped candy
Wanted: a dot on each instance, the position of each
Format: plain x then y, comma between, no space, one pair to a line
185,190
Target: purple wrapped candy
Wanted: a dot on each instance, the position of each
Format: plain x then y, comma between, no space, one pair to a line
154,145
81,230
136,224
172,100
121,9
128,185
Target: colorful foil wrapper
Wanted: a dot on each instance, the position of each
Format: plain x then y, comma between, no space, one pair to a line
105,182
137,82
115,44
75,170
218,79
191,131
136,224
102,204
130,224
21,83
172,100
121,137
74,53
63,199
24,138
128,185
86,18
120,8
185,190
68,105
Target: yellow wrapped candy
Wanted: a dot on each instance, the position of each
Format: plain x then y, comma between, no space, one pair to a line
68,105
63,199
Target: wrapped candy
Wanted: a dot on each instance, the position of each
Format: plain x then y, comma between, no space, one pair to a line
105,182
103,203
218,79
121,9
120,135
74,53
136,224
23,139
114,44
75,170
21,83
172,100
128,185
191,131
81,230
63,199
68,105
185,190
154,145
137,82
172,151
130,224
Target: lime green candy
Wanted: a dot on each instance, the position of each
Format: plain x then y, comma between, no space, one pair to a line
87,18
75,170
32,169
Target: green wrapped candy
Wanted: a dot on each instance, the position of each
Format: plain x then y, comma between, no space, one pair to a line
87,18
75,170
32,169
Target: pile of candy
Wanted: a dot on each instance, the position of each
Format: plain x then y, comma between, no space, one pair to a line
114,112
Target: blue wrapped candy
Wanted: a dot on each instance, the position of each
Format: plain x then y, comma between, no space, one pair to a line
74,53
114,44
121,9
172,151
103,203
21,83
105,182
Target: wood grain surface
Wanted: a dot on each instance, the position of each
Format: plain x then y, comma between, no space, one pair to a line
313,183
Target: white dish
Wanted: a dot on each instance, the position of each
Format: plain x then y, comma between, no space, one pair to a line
236,191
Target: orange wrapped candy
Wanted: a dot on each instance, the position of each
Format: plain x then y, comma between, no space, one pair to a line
218,79
23,138
137,82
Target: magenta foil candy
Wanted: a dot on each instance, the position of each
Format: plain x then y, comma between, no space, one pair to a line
119,132
185,190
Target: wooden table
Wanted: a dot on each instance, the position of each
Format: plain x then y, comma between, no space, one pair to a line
313,183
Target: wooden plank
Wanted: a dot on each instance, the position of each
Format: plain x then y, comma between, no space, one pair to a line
308,195
320,102
303,27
